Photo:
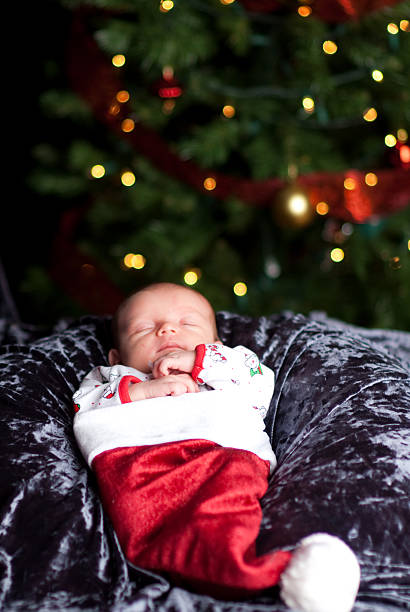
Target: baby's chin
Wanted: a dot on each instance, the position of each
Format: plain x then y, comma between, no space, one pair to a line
166,351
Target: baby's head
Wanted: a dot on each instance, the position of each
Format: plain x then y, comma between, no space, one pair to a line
161,318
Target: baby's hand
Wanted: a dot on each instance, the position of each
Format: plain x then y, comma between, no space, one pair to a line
174,384
174,362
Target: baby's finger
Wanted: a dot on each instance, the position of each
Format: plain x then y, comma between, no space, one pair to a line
191,385
162,367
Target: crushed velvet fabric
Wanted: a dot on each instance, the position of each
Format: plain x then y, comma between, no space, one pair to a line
338,421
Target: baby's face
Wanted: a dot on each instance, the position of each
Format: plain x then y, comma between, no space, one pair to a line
160,320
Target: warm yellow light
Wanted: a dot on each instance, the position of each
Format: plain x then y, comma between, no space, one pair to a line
370,114
123,96
390,140
402,135
138,261
240,289
228,111
191,277
298,204
134,260
308,104
371,179
166,5
128,178
405,25
349,183
329,47
97,171
209,183
408,245
337,255
118,60
322,208
226,2
392,28
304,11
128,260
377,75
127,125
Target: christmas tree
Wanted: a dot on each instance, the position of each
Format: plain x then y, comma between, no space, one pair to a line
256,150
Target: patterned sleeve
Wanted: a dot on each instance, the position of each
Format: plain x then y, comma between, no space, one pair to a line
105,386
221,367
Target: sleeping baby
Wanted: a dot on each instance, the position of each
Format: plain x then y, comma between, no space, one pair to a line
174,432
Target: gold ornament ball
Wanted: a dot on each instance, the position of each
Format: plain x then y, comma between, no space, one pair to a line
291,208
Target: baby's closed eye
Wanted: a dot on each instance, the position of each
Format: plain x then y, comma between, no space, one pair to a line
139,329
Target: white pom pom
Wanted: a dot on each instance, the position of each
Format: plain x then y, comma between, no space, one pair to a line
322,576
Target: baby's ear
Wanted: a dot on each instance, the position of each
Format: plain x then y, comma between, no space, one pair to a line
113,357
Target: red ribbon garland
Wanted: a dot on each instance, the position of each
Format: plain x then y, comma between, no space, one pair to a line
331,11
97,81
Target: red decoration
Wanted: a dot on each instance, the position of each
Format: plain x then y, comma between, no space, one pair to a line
94,78
78,274
168,87
327,10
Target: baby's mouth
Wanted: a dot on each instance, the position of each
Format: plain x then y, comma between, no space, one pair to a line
169,346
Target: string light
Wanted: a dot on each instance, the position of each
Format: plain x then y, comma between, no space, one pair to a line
240,289
308,104
123,96
349,183
392,28
402,135
118,60
390,140
322,208
370,114
127,125
209,183
298,204
134,260
228,111
226,2
128,178
166,5
377,75
371,179
405,25
191,277
97,171
304,10
329,47
337,255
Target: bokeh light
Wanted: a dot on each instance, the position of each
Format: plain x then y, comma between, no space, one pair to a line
209,183
118,60
97,171
240,289
337,255
128,178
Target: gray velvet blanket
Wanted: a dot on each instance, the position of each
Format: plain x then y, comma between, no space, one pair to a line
339,425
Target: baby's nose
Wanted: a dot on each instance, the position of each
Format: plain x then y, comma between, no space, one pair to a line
167,327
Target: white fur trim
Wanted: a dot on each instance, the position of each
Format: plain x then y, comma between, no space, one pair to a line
322,576
223,417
